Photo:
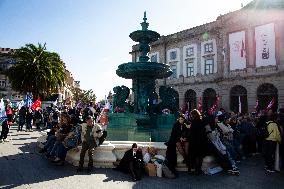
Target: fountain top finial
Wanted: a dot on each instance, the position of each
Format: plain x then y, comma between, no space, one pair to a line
145,24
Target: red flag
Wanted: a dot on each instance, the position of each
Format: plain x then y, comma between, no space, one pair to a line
271,103
213,109
199,105
36,105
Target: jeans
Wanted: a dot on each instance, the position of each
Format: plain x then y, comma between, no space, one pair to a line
269,153
21,124
28,124
50,143
61,151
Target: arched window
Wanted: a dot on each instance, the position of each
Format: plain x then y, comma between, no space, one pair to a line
190,99
238,97
209,98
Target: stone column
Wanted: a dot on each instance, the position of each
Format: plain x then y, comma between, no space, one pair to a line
251,95
181,92
279,34
181,61
250,48
224,97
198,71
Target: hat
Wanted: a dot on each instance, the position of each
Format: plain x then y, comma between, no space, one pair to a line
219,113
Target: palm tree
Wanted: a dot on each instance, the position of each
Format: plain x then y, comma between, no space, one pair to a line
37,71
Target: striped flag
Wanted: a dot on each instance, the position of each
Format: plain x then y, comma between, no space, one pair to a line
28,101
3,116
240,105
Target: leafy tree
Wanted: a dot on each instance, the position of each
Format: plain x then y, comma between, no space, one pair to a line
37,71
84,96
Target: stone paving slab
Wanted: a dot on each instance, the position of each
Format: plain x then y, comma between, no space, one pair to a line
21,166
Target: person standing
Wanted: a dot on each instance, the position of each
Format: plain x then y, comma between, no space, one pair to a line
271,141
197,142
22,118
5,131
178,140
90,135
29,118
281,125
9,113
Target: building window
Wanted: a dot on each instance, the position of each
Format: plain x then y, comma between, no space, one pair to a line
189,51
174,69
209,66
2,83
190,69
208,47
173,55
154,58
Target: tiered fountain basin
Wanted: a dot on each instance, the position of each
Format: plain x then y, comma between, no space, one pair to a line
154,70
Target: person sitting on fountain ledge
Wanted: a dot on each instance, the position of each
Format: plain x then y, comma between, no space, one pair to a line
90,140
132,162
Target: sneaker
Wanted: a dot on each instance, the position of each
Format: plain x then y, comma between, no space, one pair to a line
270,171
5,140
234,171
56,160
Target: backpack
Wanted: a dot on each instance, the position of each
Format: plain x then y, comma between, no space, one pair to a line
262,132
75,140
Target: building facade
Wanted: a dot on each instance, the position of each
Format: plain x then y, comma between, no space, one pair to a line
236,60
6,61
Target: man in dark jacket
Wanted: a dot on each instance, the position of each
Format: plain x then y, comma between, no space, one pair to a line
281,126
132,162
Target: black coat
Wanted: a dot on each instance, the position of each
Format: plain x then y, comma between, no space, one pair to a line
178,131
198,140
129,157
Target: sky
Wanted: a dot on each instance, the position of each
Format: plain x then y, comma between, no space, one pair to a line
91,36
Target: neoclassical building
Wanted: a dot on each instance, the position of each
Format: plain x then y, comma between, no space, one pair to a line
237,59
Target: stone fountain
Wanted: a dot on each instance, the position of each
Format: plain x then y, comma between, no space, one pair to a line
143,122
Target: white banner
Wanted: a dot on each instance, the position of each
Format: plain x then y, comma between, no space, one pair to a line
237,50
265,45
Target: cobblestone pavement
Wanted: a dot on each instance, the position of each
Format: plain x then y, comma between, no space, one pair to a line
21,166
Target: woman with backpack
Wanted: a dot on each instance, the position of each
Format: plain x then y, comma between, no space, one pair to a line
271,141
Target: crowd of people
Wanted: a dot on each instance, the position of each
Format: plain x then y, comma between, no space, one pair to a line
74,127
229,138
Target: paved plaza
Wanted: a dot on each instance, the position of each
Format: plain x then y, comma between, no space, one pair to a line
21,166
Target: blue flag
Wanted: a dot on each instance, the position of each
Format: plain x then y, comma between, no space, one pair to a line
28,101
